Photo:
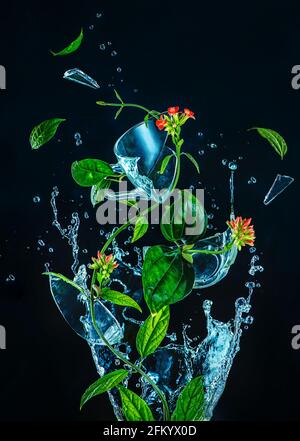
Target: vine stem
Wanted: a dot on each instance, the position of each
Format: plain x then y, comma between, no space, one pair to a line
224,250
136,368
137,106
127,362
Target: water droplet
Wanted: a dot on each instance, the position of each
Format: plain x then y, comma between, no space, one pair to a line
201,152
119,69
232,165
10,278
36,199
41,243
249,320
102,46
113,53
252,180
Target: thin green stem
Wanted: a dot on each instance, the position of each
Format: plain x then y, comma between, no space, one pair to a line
127,362
222,251
137,106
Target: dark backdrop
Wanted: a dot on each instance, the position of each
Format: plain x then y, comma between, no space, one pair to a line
230,63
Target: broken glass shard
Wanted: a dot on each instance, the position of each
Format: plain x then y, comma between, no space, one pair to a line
280,183
78,76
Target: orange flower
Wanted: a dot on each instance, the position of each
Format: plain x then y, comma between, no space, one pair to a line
242,232
161,123
189,113
173,110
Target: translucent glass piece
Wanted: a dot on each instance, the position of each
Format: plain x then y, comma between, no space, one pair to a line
210,269
75,308
78,76
140,152
280,183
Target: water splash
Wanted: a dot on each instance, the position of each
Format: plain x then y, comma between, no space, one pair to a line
70,233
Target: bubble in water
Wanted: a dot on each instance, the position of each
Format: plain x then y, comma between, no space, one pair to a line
137,385
135,90
109,43
117,362
252,250
86,215
248,320
224,161
10,278
85,251
252,180
78,139
201,152
41,243
212,145
113,53
250,285
210,216
99,14
232,165
258,285
36,199
91,27
102,46
50,250
200,134
119,69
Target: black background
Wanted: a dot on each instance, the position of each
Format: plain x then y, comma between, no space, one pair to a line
230,63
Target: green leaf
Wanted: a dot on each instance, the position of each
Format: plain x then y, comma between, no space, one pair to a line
164,164
103,384
140,228
190,403
65,279
44,132
186,213
118,96
146,120
118,112
72,47
98,191
134,408
167,277
88,172
274,139
193,160
152,332
119,298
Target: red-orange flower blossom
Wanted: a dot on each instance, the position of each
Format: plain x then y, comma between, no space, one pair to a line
189,113
173,110
161,122
104,265
242,232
